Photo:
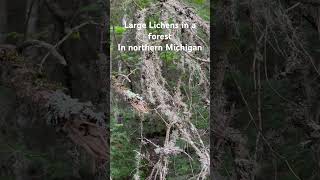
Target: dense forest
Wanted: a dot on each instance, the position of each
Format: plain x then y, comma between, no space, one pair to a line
74,107
265,90
54,86
160,99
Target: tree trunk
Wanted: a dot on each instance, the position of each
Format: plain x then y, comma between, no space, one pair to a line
32,11
3,20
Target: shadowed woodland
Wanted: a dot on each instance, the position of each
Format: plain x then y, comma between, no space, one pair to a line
53,90
262,94
265,90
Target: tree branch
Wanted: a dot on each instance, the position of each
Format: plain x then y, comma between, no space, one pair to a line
51,48
56,10
80,121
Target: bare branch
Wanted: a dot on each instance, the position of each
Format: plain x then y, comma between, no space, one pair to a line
51,48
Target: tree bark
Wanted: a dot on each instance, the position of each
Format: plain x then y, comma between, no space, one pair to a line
32,15
3,20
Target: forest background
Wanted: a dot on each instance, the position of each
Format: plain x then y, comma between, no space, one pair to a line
264,95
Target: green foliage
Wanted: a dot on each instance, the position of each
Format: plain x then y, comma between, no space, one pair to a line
143,3
118,30
202,8
132,57
181,167
125,137
201,116
122,152
169,56
14,35
199,1
154,18
75,35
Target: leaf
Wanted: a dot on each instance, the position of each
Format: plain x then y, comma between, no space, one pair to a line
199,1
119,30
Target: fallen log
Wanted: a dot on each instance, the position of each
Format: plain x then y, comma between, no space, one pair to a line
79,120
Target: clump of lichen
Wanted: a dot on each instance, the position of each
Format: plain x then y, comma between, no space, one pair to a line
45,83
9,53
63,107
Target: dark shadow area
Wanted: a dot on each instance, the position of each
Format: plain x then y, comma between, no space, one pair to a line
54,90
265,89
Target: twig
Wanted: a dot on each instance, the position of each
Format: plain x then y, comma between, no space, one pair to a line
43,44
263,137
63,39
